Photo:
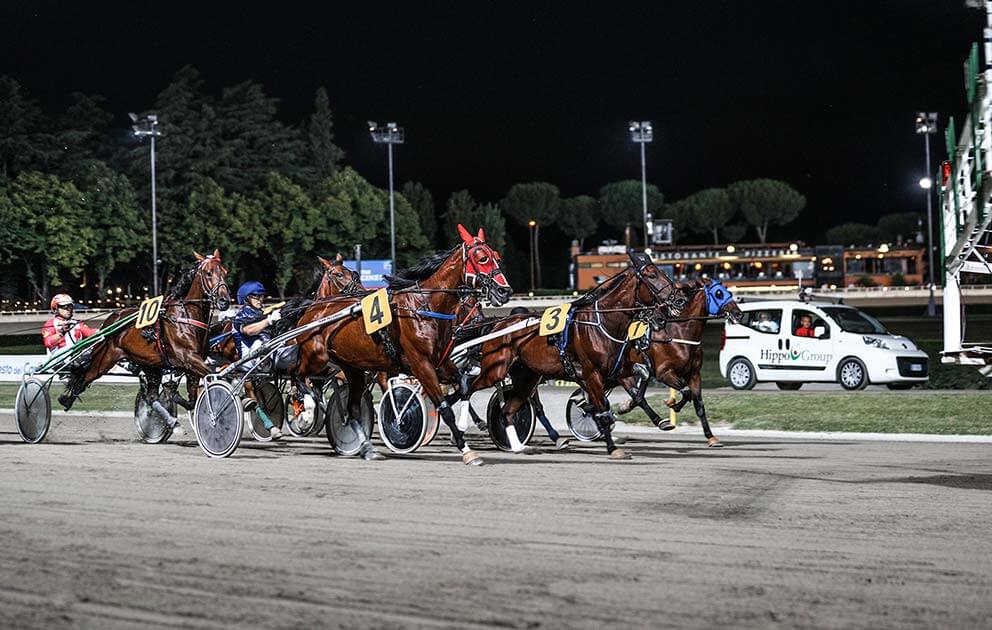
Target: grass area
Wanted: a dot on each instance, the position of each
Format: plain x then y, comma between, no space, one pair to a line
98,397
871,412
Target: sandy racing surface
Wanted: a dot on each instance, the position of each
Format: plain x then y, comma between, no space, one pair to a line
100,530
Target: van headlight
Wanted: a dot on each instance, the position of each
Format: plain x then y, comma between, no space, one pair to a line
876,342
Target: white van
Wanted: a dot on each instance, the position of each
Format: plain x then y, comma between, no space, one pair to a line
791,343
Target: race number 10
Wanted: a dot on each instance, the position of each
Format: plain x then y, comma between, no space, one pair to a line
554,319
148,312
376,312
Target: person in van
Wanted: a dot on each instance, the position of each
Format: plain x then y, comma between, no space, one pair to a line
765,322
805,327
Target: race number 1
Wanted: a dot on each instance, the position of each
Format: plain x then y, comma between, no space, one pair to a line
148,312
636,330
375,311
554,319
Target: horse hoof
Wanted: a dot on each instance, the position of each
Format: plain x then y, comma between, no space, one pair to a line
561,444
670,403
372,455
527,450
619,439
714,443
471,458
620,454
666,425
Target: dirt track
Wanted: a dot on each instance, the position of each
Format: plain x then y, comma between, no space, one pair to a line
102,531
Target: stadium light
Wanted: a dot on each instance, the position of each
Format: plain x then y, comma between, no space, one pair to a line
389,135
642,132
926,124
148,126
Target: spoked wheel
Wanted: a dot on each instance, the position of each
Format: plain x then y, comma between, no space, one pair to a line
404,419
345,434
580,422
33,410
271,402
218,419
152,427
523,420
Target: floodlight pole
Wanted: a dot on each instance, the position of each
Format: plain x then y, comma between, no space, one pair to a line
148,127
642,132
926,124
389,136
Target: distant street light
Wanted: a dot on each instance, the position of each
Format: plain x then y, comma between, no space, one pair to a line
926,124
148,127
531,225
389,135
642,132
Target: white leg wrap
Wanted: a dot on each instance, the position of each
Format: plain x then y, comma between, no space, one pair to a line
463,417
511,435
466,448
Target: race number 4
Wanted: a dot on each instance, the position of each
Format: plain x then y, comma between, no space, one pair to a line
554,319
636,330
148,312
376,312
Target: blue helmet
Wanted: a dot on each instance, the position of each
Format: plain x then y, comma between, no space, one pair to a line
252,287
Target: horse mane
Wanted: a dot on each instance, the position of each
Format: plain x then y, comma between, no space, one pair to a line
318,276
183,284
424,269
601,289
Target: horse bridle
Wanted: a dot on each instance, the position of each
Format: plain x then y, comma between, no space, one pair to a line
473,276
213,294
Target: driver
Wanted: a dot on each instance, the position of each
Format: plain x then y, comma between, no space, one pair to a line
61,330
251,329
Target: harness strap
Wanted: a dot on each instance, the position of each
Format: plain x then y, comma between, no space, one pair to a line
687,342
435,315
192,322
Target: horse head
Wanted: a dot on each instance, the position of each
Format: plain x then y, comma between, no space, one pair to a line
481,268
720,301
212,275
336,279
653,285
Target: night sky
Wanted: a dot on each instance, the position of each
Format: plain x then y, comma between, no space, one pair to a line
819,94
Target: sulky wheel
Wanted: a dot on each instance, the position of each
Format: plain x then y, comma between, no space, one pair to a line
270,400
404,422
523,421
308,422
218,419
152,427
345,434
33,410
580,422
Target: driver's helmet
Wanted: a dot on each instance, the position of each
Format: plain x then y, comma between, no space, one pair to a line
61,299
252,287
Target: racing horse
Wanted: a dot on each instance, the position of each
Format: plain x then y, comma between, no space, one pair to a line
423,302
675,355
591,348
177,340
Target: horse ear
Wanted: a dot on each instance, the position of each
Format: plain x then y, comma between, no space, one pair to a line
323,262
217,254
466,237
482,235
339,258
199,257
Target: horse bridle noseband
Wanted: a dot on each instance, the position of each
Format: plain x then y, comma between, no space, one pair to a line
477,279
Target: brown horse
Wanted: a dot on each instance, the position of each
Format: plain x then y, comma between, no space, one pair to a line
676,354
177,341
422,302
590,350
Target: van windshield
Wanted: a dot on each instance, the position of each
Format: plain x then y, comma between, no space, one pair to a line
854,321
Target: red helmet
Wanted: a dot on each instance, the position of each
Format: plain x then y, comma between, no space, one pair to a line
62,299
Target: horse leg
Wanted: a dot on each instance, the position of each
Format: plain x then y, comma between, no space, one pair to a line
356,390
601,413
695,384
561,443
424,372
103,359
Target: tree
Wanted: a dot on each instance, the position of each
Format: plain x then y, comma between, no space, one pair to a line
577,217
352,211
537,201
462,209
19,117
423,203
287,221
622,203
765,202
229,222
112,210
711,210
82,136
852,234
324,154
52,232
899,227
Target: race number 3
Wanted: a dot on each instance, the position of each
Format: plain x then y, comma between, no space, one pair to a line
636,330
554,319
375,311
148,312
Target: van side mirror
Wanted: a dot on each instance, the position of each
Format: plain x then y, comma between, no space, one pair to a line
819,332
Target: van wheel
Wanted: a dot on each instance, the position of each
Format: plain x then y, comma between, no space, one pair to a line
789,387
851,374
740,374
